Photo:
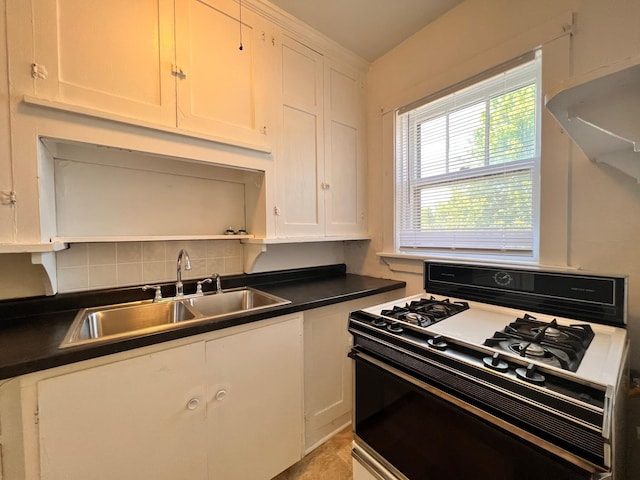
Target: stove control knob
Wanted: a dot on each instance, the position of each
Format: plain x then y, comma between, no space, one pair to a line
438,342
530,375
495,363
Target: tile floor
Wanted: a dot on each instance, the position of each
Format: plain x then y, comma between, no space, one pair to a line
331,460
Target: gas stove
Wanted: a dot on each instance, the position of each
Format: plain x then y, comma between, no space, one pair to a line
543,351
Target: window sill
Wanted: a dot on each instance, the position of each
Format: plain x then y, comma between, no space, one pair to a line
414,262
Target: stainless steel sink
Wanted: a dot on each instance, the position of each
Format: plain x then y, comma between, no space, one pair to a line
101,324
232,301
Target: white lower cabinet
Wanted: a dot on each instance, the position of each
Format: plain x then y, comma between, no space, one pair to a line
138,418
226,406
254,383
328,372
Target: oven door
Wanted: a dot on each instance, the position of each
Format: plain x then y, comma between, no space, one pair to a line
423,433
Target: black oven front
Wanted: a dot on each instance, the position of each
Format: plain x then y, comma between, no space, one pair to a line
421,432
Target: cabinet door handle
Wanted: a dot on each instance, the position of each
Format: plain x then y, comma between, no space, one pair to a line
176,71
193,403
221,395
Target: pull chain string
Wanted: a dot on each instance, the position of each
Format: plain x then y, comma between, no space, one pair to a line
240,4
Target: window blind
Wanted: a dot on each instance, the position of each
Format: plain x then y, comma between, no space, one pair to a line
467,165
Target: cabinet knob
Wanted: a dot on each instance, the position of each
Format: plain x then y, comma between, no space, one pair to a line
193,403
221,395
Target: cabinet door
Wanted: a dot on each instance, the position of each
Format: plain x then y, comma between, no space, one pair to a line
110,56
219,93
300,160
141,418
328,373
345,146
255,402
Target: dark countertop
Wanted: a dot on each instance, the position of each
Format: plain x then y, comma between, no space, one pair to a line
31,329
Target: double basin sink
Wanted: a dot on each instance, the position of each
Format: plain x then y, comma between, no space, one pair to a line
100,324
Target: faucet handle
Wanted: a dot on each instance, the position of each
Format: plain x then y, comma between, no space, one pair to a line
158,296
199,285
216,277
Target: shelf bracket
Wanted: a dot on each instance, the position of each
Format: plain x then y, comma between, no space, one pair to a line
48,262
251,252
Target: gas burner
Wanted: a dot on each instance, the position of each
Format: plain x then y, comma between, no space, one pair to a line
424,312
537,352
528,349
414,318
562,346
551,332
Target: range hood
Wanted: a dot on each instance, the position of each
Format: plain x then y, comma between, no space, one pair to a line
600,111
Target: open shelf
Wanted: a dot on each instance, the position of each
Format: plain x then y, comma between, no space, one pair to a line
54,246
600,111
148,238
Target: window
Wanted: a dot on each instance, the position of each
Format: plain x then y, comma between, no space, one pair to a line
467,163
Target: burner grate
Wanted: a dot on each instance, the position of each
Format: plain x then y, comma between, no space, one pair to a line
425,311
557,345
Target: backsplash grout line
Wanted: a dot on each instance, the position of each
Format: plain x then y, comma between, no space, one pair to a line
85,266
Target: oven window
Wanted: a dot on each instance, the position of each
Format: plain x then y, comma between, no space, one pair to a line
427,438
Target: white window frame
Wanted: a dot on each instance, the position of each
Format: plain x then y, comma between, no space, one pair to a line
440,248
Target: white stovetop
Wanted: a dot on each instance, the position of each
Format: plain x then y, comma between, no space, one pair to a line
601,363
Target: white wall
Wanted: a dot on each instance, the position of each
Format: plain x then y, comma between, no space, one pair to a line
602,204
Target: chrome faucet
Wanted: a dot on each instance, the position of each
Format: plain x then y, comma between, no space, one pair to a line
216,277
187,266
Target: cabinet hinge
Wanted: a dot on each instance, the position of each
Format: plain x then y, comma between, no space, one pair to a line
263,130
273,39
276,211
36,416
8,198
39,71
176,71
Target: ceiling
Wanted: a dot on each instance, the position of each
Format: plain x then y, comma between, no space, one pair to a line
370,28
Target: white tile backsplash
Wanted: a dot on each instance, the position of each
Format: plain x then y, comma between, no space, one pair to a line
129,252
215,265
102,253
85,266
73,278
74,256
102,276
129,273
155,251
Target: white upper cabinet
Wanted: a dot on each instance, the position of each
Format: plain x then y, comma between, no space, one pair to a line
345,167
320,164
220,87
164,63
111,56
300,162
